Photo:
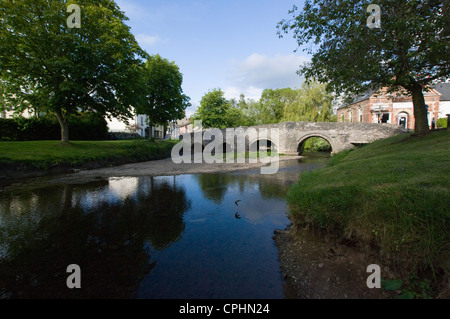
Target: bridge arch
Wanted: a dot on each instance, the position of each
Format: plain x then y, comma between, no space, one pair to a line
301,142
256,144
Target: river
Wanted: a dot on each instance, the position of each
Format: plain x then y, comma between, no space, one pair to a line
203,236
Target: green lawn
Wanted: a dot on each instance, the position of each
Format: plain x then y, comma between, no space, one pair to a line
46,154
393,194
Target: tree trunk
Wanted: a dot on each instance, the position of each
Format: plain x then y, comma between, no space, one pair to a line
150,131
420,112
64,127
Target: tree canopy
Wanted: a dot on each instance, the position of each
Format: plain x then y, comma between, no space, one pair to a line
161,92
310,103
214,110
408,51
62,70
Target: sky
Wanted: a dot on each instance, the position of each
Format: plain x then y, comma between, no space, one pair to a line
227,44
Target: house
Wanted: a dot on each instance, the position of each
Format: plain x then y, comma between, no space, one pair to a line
138,124
444,99
11,114
395,108
183,126
143,130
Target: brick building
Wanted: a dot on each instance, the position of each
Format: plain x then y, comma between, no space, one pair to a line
394,108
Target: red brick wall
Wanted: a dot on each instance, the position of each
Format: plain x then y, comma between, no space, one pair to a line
431,99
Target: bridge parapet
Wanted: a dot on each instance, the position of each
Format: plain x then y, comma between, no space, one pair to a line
290,136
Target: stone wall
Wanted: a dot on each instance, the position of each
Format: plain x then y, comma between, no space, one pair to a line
290,135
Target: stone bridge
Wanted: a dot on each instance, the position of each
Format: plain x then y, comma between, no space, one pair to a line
289,137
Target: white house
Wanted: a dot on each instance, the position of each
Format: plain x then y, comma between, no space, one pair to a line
444,98
10,114
139,123
144,128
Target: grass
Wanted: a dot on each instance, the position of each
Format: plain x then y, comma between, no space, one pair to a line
393,194
43,155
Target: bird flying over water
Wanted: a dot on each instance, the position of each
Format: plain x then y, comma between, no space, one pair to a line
237,216
237,201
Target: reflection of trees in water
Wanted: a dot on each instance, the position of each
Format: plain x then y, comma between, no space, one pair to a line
215,186
43,231
166,206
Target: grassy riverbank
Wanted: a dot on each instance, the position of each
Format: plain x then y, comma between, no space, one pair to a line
42,156
392,195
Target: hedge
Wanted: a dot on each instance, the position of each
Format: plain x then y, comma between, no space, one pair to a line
442,123
83,127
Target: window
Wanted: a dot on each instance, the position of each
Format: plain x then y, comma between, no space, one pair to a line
384,118
360,115
350,116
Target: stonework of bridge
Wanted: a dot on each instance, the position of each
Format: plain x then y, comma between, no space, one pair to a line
289,137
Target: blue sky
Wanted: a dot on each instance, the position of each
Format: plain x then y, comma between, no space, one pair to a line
227,44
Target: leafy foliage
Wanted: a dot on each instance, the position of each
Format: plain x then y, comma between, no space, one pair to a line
310,103
214,110
60,70
162,95
441,123
83,127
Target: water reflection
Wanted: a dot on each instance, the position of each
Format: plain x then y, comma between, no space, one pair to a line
108,228
148,237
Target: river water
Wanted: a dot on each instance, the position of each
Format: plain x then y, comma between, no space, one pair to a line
186,236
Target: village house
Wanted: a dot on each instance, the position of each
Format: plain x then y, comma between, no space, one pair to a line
183,126
144,129
395,108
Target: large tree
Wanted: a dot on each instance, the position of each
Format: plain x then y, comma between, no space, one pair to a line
274,102
60,68
312,103
352,52
161,91
214,110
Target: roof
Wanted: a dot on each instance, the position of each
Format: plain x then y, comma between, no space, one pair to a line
358,98
444,90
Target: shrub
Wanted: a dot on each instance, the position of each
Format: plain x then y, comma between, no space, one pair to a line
9,130
88,127
84,126
441,123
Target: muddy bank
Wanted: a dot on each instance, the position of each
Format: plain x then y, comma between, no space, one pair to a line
316,267
164,167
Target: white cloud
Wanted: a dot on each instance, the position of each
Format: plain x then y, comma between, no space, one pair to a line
147,40
258,72
234,92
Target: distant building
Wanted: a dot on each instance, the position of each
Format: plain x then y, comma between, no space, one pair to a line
183,126
138,124
157,131
395,108
11,114
444,99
